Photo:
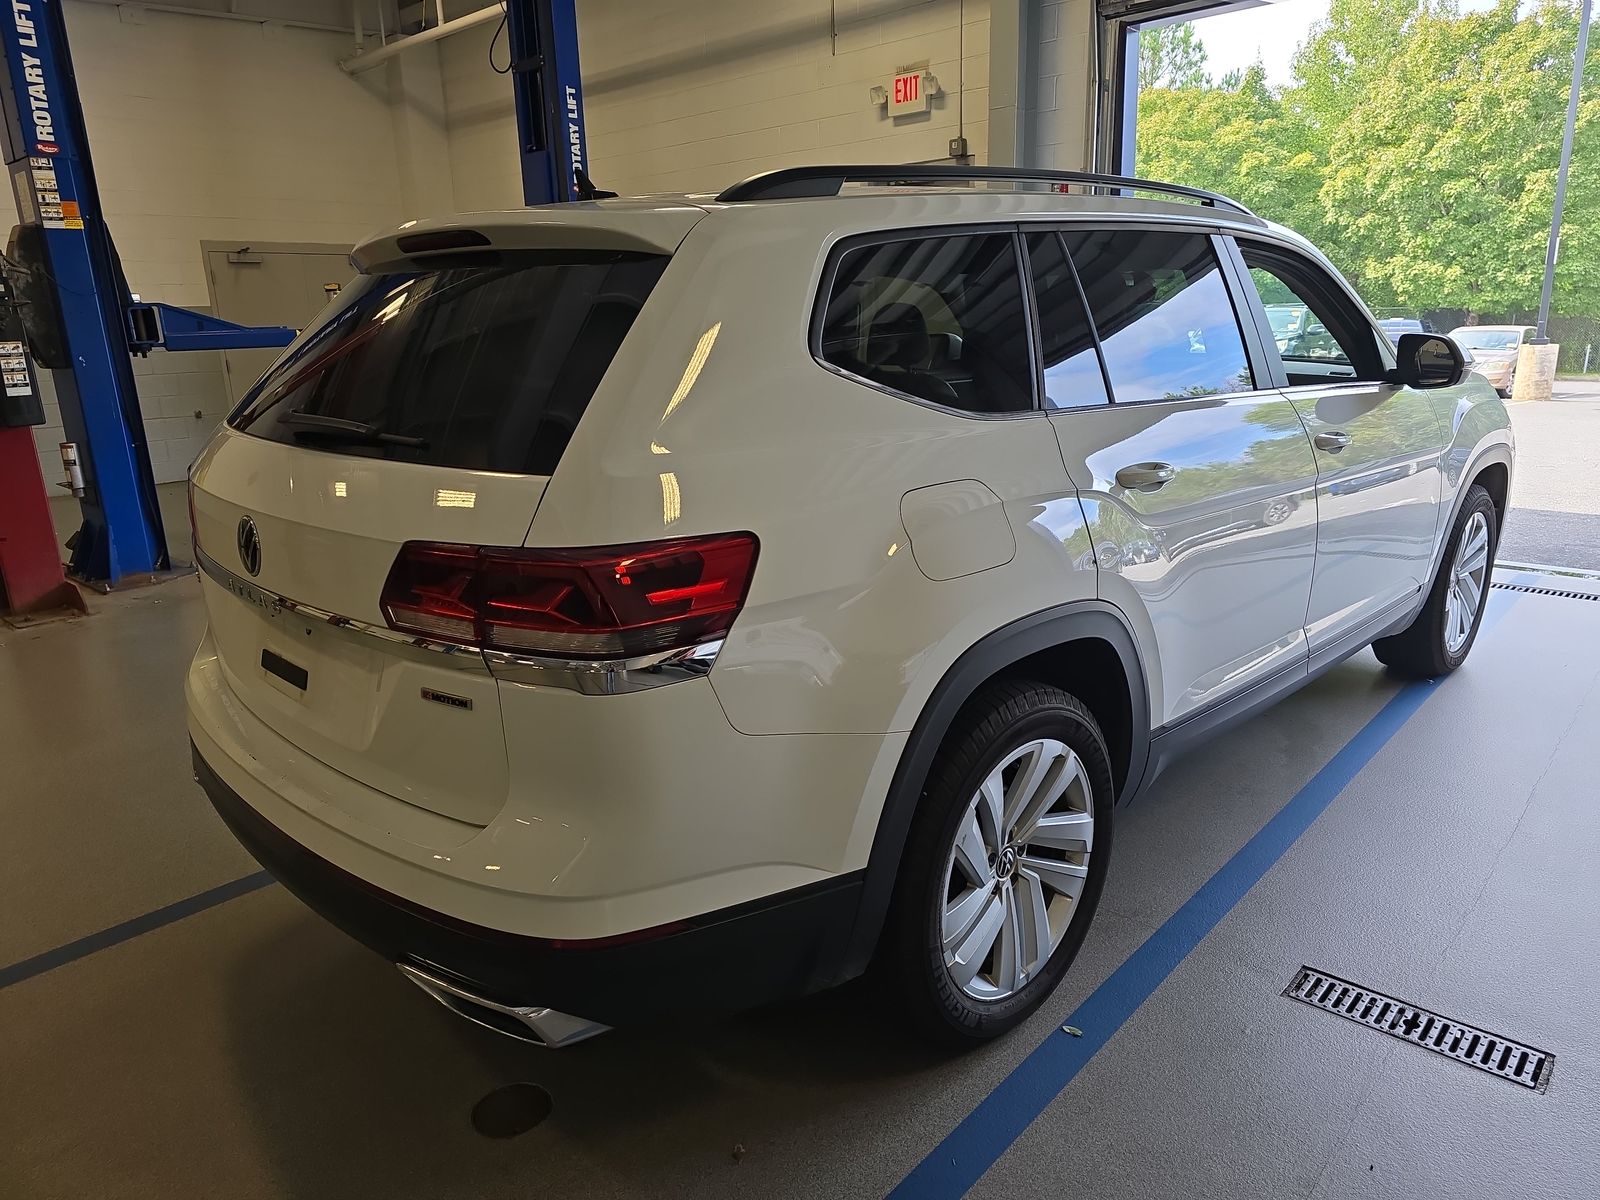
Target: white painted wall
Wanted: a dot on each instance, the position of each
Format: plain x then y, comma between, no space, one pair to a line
216,129
687,95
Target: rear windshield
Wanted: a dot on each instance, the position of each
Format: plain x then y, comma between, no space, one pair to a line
486,366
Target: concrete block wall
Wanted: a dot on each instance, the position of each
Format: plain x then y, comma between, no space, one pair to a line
1063,93
183,399
219,129
687,95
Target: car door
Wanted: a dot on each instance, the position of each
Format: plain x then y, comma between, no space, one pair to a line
1378,447
1197,485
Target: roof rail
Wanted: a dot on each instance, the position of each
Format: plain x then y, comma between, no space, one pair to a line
796,182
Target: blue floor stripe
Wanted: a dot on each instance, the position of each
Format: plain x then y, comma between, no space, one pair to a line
106,938
960,1160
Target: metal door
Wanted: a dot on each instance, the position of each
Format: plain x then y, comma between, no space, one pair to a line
1219,556
1378,445
269,285
1197,482
1378,487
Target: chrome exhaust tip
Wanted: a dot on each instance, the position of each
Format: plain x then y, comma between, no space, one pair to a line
542,1026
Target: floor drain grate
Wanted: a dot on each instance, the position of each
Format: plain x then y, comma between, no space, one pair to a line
1466,1043
1543,591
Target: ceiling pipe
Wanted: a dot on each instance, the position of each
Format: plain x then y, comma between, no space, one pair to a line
358,63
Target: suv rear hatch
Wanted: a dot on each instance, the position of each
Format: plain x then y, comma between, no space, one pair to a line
431,402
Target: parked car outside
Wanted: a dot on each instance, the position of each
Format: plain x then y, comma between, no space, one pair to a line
1299,333
1494,351
1395,326
608,624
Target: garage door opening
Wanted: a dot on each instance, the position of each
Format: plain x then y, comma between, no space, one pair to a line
1416,145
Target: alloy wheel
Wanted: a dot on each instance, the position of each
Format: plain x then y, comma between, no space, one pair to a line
1469,575
1017,869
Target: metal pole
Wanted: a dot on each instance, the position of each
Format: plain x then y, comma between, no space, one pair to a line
1539,335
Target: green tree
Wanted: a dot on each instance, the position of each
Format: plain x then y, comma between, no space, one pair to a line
1440,179
1417,145
1243,142
1171,56
1346,53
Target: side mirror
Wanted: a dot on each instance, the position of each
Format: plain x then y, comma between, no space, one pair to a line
1428,360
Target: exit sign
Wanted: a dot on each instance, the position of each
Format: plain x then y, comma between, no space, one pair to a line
909,94
911,91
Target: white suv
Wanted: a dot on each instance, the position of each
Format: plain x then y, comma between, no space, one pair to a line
638,607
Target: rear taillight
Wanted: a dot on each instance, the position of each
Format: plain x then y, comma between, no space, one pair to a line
604,602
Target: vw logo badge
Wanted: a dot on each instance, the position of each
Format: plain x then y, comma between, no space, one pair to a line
249,545
1006,866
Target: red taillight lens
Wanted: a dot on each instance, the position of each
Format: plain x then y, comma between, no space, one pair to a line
431,590
605,602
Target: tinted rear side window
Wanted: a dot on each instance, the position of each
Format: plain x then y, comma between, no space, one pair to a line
1167,325
486,367
938,318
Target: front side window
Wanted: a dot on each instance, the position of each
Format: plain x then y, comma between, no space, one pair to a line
1300,335
483,367
1166,322
939,319
1317,333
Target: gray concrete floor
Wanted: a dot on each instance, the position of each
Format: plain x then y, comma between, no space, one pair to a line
1555,494
250,1050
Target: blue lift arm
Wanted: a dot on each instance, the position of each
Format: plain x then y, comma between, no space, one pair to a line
156,326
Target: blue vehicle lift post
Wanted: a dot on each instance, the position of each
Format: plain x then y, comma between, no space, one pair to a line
81,320
543,36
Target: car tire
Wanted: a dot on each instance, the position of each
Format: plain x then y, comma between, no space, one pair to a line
1013,732
1438,641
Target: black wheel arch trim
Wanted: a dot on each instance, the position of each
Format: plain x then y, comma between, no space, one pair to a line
1082,620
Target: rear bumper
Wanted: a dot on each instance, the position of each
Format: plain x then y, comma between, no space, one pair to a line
622,813
786,945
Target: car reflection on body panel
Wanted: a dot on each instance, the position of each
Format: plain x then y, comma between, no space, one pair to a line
1299,334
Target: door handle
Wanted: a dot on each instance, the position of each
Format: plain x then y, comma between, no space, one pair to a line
1332,442
1146,476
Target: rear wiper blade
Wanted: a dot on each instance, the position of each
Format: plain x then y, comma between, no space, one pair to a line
340,429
